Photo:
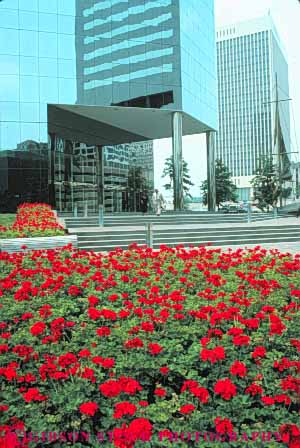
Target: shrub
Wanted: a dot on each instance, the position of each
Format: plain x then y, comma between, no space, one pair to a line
144,344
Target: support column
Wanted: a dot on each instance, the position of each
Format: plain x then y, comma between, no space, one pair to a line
177,160
51,169
100,175
211,180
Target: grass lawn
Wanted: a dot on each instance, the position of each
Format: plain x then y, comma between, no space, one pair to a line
6,219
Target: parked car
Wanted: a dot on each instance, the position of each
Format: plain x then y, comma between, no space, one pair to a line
232,208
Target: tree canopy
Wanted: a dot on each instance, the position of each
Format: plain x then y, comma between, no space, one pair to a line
225,188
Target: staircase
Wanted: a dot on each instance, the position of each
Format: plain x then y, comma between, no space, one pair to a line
128,219
106,239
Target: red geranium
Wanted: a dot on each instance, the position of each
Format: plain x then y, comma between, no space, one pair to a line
89,408
187,409
225,388
37,328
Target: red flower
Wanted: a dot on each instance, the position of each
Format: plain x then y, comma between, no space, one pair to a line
223,425
290,433
259,352
4,408
160,392
129,385
254,389
147,326
164,370
103,331
241,340
33,394
276,325
89,408
225,388
155,349
94,313
187,409
134,343
37,328
268,401
124,408
110,389
213,355
238,368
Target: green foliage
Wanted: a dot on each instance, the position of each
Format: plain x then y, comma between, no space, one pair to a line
266,184
186,179
194,300
225,188
6,219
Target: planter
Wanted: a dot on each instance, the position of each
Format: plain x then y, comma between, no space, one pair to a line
36,243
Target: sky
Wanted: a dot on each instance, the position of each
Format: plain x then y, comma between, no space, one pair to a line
286,15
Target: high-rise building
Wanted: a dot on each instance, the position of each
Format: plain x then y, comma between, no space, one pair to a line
250,57
82,76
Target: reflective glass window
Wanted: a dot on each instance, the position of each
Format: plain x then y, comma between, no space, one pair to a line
66,24
9,18
66,68
29,88
9,41
43,112
28,5
28,20
29,112
9,135
66,46
48,90
48,67
28,43
28,65
67,8
9,111
67,91
10,88
9,64
30,131
8,4
48,6
48,44
48,22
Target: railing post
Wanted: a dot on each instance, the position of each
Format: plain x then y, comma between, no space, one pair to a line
75,210
101,216
85,209
249,212
149,234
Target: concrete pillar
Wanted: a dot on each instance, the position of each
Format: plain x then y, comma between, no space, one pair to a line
211,182
100,175
177,160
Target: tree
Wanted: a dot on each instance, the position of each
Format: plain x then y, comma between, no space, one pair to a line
266,184
186,179
225,188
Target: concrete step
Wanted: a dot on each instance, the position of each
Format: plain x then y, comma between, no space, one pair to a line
106,233
220,242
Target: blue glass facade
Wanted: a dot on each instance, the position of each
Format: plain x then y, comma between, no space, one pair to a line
88,52
249,57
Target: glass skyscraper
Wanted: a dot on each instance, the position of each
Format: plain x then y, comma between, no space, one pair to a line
61,60
249,58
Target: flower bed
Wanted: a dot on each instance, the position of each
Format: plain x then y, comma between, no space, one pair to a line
33,220
139,345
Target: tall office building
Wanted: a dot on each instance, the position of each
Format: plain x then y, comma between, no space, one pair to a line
250,57
89,78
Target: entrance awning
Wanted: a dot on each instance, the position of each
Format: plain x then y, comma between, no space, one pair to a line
112,125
